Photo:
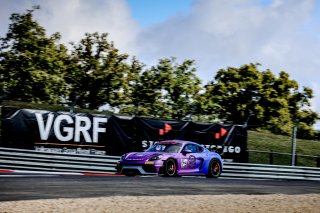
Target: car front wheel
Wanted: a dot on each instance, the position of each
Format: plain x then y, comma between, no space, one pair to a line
170,168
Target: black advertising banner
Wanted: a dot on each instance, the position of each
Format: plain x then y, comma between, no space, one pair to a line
85,133
25,128
231,140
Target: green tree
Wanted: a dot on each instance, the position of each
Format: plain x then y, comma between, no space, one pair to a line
236,91
31,63
98,73
306,118
276,102
206,109
143,91
182,87
179,85
167,90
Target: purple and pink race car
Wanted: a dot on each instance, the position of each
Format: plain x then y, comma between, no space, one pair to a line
172,158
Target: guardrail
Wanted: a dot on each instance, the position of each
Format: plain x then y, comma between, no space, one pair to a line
31,160
20,159
263,171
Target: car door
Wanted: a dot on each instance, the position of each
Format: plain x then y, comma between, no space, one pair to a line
191,162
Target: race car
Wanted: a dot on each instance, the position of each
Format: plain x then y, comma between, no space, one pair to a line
172,158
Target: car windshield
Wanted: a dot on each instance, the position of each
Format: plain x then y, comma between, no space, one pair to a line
165,147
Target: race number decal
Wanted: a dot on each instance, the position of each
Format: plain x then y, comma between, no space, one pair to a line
184,163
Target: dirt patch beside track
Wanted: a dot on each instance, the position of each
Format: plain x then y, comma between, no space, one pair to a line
190,203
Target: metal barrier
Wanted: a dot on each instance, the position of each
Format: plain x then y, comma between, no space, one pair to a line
19,159
264,171
30,160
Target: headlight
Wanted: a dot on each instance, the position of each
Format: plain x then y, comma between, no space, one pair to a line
123,157
157,157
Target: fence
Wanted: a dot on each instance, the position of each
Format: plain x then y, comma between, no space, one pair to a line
279,158
30,160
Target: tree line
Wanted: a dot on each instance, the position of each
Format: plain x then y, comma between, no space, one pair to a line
93,73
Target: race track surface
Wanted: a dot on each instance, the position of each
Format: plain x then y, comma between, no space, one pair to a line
51,187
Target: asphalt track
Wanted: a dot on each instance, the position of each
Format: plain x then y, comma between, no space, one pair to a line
51,187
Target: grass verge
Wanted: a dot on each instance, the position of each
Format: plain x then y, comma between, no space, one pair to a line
278,144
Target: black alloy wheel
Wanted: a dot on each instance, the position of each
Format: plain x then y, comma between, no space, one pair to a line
170,169
214,170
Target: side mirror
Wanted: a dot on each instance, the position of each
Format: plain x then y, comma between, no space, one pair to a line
219,150
186,151
214,149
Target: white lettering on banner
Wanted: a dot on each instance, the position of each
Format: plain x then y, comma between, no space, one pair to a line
84,129
82,126
210,147
227,149
44,129
68,130
237,149
147,144
96,122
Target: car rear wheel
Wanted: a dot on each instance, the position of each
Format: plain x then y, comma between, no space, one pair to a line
170,168
214,169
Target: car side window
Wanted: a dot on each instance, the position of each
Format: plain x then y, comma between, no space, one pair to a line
200,149
194,148
191,147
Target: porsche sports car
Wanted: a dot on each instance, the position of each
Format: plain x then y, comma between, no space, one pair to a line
172,158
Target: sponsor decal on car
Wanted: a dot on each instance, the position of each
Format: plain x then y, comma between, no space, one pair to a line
192,162
149,162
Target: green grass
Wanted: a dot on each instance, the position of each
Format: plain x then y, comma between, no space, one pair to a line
263,141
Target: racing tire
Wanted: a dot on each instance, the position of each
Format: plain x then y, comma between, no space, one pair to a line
214,170
170,168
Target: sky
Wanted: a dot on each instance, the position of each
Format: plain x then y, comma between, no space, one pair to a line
281,35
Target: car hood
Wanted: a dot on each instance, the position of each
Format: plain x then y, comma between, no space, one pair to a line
140,156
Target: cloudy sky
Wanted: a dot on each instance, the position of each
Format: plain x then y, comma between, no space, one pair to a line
281,35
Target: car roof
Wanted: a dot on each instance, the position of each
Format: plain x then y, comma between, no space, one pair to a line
176,142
